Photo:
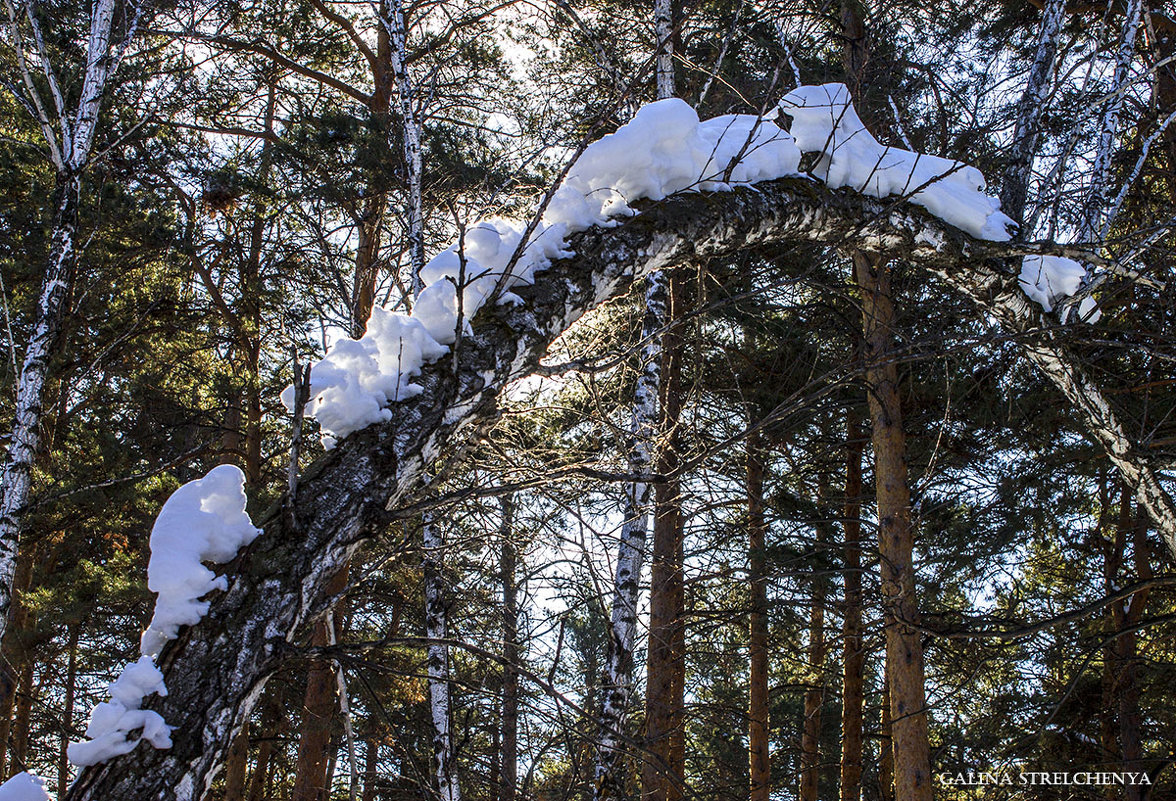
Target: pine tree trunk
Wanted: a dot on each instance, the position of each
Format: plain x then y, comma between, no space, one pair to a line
236,766
370,761
904,647
814,696
853,649
508,751
67,715
319,708
25,694
665,664
56,286
759,755
886,743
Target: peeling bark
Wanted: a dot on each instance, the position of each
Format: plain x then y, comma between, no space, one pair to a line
215,671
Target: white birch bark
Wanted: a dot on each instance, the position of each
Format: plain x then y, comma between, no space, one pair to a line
436,608
1015,186
618,679
70,143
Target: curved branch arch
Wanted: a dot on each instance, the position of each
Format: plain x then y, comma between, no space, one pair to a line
217,669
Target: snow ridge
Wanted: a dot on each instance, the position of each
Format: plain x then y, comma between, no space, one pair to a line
202,521
663,150
24,787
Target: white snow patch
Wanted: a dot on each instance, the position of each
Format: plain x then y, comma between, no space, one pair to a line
664,149
1049,279
202,521
824,121
24,787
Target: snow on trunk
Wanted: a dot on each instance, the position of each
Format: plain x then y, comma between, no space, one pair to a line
24,787
202,521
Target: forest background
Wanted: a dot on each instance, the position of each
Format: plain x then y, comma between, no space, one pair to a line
198,198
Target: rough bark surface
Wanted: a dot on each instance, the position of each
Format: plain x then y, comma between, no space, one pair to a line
216,670
853,659
758,749
904,647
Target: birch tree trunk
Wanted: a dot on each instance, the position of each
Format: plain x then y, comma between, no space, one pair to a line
904,647
1019,169
69,138
215,671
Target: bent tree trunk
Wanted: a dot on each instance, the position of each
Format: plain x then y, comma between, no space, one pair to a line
216,671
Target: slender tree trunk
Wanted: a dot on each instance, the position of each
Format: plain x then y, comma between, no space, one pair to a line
56,286
25,694
611,782
508,753
886,743
661,778
437,662
259,781
67,714
814,696
759,755
904,648
853,649
1019,168
14,655
236,767
319,707
370,762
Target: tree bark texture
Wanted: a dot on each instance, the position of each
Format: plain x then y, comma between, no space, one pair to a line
814,696
215,671
853,655
509,748
665,662
896,541
759,753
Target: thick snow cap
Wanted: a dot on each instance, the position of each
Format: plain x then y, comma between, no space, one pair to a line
24,787
824,121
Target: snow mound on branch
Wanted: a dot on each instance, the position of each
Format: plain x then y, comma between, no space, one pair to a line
824,121
1049,279
664,149
24,787
202,521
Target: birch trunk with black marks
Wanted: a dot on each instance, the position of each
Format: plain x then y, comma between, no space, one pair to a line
437,661
909,730
69,139
216,671
611,783
1018,170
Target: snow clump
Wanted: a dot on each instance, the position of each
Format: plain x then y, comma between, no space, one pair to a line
664,149
824,121
1049,279
24,787
202,521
